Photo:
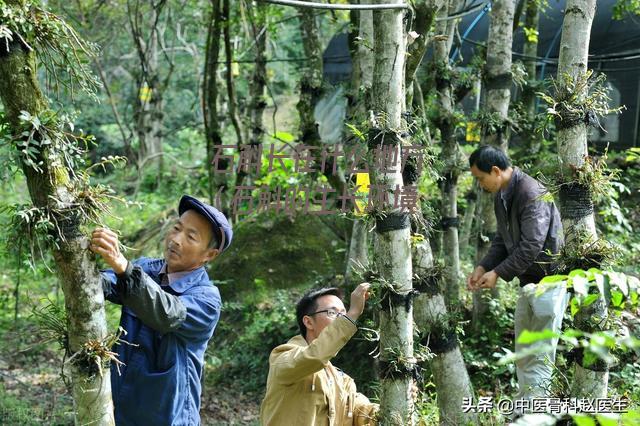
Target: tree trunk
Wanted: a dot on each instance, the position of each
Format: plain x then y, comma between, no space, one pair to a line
532,14
231,89
217,183
450,151
579,224
52,191
149,103
438,332
310,94
257,87
425,12
392,244
358,103
497,96
498,71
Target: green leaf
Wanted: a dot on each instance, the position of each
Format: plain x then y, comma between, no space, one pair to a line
575,306
580,285
552,279
607,419
284,136
590,299
583,420
527,337
578,273
616,298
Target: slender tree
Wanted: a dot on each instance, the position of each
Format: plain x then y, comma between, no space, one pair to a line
217,183
450,154
148,26
438,332
576,207
58,195
257,89
358,103
392,249
212,128
495,130
530,50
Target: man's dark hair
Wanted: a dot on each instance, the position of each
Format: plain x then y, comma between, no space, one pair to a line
308,304
214,242
487,156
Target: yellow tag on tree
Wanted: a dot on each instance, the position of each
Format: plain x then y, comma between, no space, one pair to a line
473,132
145,93
235,69
362,180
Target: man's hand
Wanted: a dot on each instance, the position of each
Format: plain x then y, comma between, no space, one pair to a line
472,280
358,298
105,243
488,280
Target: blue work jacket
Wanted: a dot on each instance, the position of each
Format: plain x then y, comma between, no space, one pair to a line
168,328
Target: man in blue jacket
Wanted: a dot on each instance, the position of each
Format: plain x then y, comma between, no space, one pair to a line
169,312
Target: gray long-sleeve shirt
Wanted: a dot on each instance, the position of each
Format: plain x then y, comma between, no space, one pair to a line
529,230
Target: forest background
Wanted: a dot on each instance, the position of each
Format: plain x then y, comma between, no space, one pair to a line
160,86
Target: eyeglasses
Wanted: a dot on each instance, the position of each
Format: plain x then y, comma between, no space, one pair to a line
331,313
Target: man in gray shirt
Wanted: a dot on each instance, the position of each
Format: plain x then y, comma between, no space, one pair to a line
529,233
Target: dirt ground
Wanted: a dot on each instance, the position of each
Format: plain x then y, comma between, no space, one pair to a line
32,391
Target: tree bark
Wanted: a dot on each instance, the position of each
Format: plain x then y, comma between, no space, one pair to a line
437,330
217,183
450,154
532,17
51,189
257,88
392,249
358,103
425,13
231,89
497,96
150,84
572,150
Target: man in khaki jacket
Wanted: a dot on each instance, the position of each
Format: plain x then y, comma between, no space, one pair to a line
303,388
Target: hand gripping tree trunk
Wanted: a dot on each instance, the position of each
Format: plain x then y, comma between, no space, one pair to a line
438,331
392,249
575,200
495,130
52,191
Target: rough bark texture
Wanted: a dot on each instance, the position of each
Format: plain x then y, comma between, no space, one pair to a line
257,88
231,88
217,182
497,87
425,13
19,91
450,151
449,370
151,85
311,92
358,103
572,149
532,14
392,247
498,69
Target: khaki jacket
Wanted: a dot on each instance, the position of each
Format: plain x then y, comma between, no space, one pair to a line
304,389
